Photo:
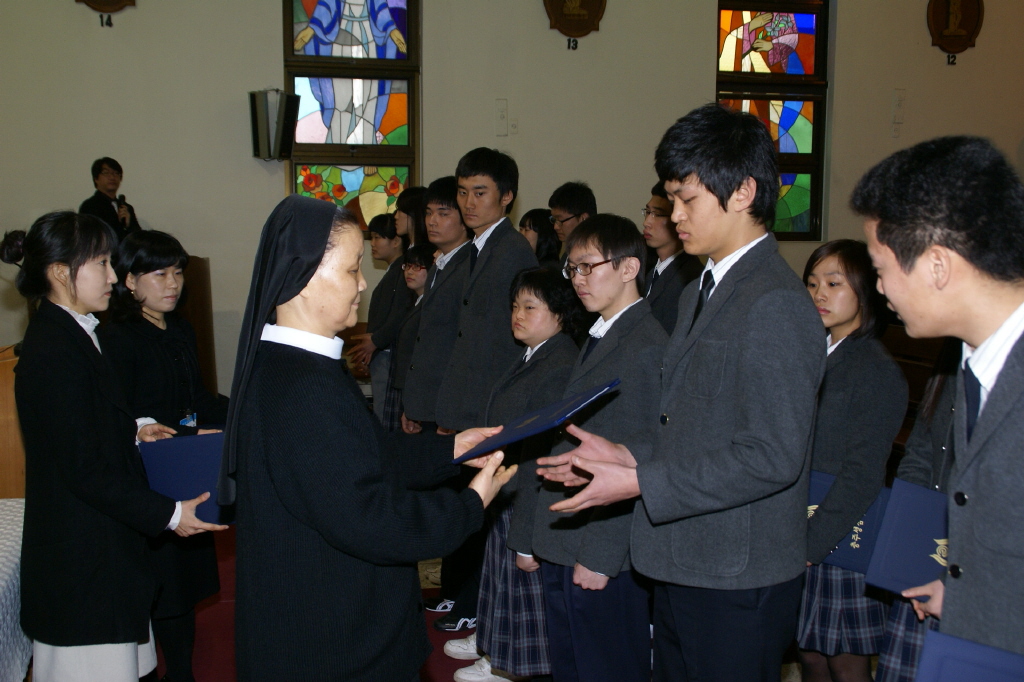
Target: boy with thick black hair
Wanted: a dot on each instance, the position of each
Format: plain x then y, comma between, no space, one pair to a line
674,268
945,227
570,205
597,610
723,472
488,181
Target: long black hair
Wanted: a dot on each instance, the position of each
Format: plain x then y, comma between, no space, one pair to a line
856,264
141,252
60,237
557,293
548,244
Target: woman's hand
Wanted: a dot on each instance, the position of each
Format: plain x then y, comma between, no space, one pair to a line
469,439
527,563
363,351
189,524
152,432
488,482
934,590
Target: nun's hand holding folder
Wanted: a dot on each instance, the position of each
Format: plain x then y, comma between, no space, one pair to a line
469,439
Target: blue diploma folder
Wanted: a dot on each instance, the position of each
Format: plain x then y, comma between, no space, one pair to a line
854,551
950,659
186,467
912,542
537,422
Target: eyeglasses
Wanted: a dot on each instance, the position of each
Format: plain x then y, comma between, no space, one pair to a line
583,269
413,266
648,212
110,172
562,221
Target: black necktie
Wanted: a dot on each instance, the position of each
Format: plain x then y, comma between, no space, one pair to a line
591,345
972,389
654,278
473,253
707,283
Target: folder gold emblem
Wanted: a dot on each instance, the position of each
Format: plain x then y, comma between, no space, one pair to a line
811,508
941,551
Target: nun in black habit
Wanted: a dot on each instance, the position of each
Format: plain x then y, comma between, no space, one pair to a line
328,535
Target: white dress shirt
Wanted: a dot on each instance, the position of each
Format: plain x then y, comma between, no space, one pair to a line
481,238
719,269
443,259
602,325
531,351
987,360
832,346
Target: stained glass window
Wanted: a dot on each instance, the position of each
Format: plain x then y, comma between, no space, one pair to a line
793,211
790,122
766,42
367,191
352,111
360,29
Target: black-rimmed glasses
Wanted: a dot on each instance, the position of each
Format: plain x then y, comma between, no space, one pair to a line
562,221
582,269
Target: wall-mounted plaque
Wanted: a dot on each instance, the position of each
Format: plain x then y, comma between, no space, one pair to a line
955,24
575,18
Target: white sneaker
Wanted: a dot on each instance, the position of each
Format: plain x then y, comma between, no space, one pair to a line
463,649
478,672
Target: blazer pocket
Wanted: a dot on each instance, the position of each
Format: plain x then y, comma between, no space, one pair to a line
996,519
706,369
714,544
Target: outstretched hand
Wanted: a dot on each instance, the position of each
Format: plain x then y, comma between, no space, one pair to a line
189,524
609,483
469,439
492,476
152,432
559,468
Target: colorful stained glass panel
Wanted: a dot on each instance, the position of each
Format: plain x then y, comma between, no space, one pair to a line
367,191
766,42
352,111
790,122
793,210
361,29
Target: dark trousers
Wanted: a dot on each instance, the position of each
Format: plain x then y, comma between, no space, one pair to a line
460,570
176,637
596,635
705,635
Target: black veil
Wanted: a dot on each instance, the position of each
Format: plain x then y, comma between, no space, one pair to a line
292,245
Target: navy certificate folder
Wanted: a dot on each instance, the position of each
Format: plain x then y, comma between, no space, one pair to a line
854,551
537,422
912,542
186,467
950,659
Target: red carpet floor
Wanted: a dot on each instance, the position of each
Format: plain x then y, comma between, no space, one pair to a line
214,659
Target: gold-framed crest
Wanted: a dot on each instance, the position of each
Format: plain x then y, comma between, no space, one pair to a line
955,24
575,18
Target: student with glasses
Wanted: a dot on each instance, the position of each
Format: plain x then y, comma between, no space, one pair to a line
570,205
674,268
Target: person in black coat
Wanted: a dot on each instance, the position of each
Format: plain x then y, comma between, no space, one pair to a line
328,538
536,226
415,270
85,574
153,353
861,405
674,268
105,203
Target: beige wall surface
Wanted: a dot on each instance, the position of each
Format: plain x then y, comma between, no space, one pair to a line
164,92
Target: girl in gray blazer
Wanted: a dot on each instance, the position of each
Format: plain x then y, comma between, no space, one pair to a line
861,404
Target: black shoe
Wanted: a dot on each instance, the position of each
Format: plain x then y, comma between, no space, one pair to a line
438,604
453,623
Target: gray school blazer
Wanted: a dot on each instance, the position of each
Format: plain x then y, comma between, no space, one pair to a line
664,294
724,491
986,516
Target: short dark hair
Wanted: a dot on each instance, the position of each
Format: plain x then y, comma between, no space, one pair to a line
557,293
411,202
615,237
574,197
659,191
721,148
548,244
444,191
59,237
384,225
140,252
956,192
496,165
860,274
98,164
421,254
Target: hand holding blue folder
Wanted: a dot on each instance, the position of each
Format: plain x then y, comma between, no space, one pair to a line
537,422
185,468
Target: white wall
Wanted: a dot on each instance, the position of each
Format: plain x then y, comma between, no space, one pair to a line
164,92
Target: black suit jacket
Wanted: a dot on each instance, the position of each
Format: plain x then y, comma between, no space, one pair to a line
389,304
84,573
101,206
484,345
663,295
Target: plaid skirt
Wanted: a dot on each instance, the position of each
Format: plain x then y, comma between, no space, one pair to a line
510,625
901,647
836,617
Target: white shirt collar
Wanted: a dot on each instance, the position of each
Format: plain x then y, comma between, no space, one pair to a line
481,238
531,351
314,343
86,322
987,360
662,264
602,325
719,269
443,259
832,346
418,299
